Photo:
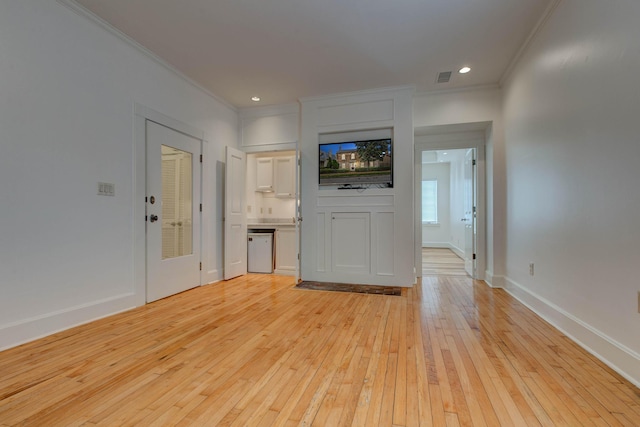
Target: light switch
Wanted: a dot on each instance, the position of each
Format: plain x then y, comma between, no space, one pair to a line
106,189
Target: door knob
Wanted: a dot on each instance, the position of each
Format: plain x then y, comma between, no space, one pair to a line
153,218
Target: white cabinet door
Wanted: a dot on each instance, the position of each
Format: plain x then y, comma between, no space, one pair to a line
284,176
350,242
286,252
264,174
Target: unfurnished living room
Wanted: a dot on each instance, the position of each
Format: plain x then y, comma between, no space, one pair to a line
281,213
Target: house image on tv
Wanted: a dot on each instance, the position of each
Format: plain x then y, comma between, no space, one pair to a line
349,159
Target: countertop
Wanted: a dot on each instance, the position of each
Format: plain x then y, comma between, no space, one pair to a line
270,222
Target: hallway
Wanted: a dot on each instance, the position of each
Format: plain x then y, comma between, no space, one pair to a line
442,262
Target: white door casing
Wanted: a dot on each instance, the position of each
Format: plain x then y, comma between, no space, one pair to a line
235,222
470,213
173,222
298,215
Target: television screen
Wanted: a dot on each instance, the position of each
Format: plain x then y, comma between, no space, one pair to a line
357,164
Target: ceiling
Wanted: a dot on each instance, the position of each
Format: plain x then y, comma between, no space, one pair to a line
282,50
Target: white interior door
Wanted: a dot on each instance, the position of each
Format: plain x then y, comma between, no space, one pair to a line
172,210
235,223
470,213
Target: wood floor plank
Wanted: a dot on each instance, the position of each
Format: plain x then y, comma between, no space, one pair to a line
255,351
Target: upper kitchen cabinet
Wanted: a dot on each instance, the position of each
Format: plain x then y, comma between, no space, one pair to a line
264,174
269,127
284,176
277,175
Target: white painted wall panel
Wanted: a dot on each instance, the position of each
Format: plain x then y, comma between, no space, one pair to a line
66,113
384,258
270,125
356,113
348,117
571,119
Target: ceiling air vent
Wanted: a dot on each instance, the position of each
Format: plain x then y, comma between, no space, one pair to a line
444,77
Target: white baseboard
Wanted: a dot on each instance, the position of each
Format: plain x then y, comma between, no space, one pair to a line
494,281
284,272
17,333
439,245
617,356
445,245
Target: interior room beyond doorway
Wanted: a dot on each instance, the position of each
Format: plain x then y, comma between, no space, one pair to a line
444,213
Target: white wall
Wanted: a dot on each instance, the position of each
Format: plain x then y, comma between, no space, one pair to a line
66,117
573,196
434,110
457,202
438,235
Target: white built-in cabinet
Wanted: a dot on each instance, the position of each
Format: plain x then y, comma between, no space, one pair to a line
277,175
286,253
264,174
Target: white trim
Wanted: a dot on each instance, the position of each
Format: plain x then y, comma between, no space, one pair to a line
17,333
375,92
471,88
269,110
493,281
85,13
529,40
284,272
617,356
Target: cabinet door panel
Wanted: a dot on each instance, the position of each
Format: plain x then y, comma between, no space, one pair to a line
286,255
264,174
284,174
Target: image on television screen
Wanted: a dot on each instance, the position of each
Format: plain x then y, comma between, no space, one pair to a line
357,164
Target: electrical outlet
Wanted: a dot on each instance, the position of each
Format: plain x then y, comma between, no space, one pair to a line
531,271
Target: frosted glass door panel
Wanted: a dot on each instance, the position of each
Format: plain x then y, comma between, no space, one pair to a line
177,202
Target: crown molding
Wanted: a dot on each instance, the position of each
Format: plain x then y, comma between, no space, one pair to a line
85,13
529,40
374,91
474,88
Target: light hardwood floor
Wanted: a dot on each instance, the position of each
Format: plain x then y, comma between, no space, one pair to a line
443,262
255,351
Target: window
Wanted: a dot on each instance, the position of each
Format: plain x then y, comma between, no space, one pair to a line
430,201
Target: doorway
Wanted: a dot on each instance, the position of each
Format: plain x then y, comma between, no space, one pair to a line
168,249
462,231
173,211
448,220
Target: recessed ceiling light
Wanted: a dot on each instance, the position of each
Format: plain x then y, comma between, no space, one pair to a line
464,70
255,98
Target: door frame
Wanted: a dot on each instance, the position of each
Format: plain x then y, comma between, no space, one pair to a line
450,137
275,148
141,115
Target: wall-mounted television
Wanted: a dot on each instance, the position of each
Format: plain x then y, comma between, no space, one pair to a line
357,164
